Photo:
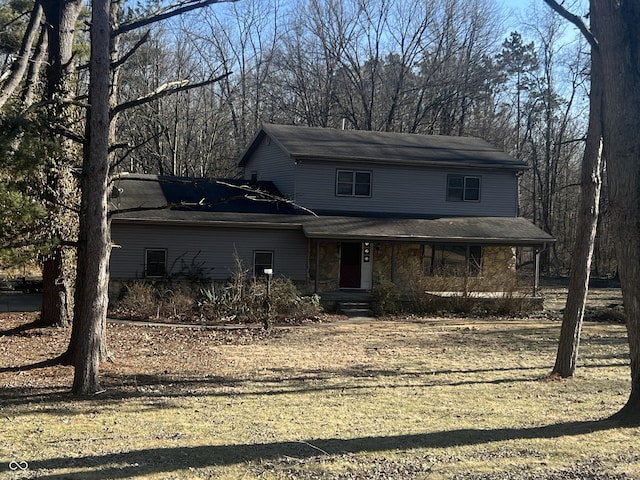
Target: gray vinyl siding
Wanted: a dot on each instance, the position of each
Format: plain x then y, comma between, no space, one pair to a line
212,247
272,164
406,190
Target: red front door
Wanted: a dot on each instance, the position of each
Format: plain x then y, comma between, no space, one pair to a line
350,265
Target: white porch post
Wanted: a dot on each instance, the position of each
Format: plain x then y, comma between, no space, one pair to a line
536,279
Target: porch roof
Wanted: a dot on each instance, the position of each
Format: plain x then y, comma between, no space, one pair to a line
475,230
513,231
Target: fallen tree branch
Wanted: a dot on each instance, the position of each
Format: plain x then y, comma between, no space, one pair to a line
262,196
249,192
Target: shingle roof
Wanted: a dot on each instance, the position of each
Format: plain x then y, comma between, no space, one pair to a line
486,230
382,147
475,230
152,199
138,195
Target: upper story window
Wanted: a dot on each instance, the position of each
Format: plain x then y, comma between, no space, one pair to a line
353,183
463,188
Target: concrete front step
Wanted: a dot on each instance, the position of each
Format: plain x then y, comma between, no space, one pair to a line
355,309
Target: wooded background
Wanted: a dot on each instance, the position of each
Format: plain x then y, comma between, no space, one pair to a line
452,67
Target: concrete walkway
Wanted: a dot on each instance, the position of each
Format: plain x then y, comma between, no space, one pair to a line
20,302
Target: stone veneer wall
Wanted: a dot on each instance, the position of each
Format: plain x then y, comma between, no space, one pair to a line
381,262
498,260
329,278
498,269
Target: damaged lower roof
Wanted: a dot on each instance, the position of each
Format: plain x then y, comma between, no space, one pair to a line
512,231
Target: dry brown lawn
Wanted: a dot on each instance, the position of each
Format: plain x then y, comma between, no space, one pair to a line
436,398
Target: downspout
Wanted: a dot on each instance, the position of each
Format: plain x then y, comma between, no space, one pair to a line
295,181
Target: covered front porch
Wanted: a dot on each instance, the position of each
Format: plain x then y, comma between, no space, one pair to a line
455,255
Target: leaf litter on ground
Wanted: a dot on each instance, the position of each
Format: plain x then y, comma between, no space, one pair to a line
405,397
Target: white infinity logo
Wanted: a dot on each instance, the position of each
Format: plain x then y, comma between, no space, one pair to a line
18,466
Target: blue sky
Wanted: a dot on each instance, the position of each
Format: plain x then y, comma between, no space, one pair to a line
521,8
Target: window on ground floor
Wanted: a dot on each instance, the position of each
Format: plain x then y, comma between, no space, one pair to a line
452,260
262,259
155,264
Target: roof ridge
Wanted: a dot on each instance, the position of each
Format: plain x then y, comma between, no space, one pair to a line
392,148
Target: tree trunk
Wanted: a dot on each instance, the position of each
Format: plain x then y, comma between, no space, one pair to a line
61,16
619,41
57,277
94,243
56,304
35,67
21,64
587,223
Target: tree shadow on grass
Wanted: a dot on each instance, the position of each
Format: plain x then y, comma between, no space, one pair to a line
172,459
163,388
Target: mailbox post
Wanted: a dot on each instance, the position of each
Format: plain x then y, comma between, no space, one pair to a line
267,301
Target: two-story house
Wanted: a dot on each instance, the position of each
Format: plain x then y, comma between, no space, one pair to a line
330,209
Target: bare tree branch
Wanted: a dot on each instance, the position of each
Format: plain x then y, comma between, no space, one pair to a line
576,20
70,134
61,101
130,149
163,90
165,13
133,50
13,20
